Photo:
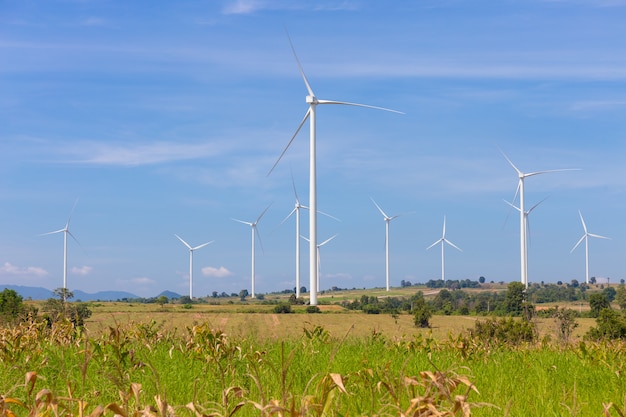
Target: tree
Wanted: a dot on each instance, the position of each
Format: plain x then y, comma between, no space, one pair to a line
597,303
162,300
481,280
185,299
592,280
610,293
243,294
575,283
59,308
514,299
620,296
11,305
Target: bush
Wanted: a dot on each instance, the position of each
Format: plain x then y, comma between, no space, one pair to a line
610,325
283,308
422,316
505,331
313,309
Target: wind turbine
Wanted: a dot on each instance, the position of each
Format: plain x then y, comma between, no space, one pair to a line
65,231
527,230
520,190
310,114
586,237
317,251
191,261
296,210
443,242
387,219
254,231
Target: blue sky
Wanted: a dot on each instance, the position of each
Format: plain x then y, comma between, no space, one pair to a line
165,117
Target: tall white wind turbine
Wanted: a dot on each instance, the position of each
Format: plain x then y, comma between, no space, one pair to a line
65,231
296,210
319,261
387,219
527,231
523,238
586,237
310,114
191,249
443,242
253,228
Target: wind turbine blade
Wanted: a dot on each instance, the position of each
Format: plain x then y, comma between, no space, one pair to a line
203,245
379,209
306,82
520,173
184,243
289,215
73,237
578,243
305,238
530,174
52,233
347,103
261,215
328,215
512,205
67,225
533,207
327,240
306,116
598,236
453,245
443,236
258,235
293,183
435,243
582,221
241,221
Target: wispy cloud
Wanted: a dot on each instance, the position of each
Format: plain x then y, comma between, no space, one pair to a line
83,270
213,272
142,154
10,269
252,6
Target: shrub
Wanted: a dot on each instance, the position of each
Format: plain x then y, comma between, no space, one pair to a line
505,330
313,309
610,325
421,316
283,308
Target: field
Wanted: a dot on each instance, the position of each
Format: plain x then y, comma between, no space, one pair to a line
243,360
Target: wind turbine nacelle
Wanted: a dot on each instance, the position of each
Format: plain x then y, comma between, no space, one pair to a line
311,99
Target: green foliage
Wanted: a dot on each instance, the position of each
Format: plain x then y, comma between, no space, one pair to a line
610,293
313,309
283,308
11,305
565,321
597,303
507,331
60,309
620,296
610,324
514,301
421,311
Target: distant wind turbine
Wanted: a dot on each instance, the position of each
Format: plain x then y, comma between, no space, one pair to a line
443,242
523,238
65,231
254,231
586,237
527,229
310,114
191,261
296,210
318,256
387,219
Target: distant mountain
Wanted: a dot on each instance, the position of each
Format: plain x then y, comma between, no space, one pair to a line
39,293
170,295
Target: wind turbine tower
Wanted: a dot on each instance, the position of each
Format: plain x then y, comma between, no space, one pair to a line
523,227
191,249
310,114
65,231
443,242
387,219
253,228
586,237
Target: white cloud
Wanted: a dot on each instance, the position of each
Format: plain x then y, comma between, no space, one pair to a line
83,270
9,269
220,272
142,281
